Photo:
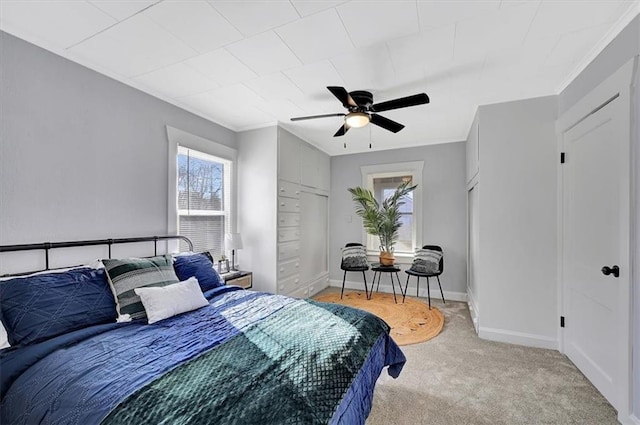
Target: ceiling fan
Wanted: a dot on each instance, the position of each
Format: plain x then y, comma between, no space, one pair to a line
362,110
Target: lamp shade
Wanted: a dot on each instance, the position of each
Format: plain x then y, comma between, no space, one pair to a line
232,241
357,119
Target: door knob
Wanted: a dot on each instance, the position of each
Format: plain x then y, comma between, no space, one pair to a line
615,270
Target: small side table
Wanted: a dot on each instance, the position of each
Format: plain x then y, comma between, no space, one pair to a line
378,269
239,278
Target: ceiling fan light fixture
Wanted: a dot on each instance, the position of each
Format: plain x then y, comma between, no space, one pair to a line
357,119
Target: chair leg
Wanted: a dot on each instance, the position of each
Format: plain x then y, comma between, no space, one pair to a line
441,293
418,287
366,290
393,287
343,279
400,286
428,293
406,286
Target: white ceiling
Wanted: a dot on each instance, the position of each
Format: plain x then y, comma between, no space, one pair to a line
248,64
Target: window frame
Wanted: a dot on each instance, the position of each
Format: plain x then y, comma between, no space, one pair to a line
187,140
397,169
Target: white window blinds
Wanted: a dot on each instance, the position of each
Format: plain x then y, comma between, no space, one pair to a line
203,189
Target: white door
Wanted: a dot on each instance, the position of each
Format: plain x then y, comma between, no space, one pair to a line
314,223
595,235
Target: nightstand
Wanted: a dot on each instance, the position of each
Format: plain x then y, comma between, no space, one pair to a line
239,278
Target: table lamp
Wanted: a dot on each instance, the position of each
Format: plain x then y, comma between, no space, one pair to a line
232,241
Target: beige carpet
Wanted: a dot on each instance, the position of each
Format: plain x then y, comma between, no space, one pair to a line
411,322
460,379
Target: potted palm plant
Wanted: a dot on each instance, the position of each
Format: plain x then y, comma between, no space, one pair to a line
383,220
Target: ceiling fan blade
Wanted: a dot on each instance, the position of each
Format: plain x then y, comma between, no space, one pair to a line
403,102
386,123
342,130
312,117
343,96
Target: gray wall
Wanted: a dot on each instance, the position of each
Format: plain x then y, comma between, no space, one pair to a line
622,48
635,175
257,206
81,155
518,221
444,205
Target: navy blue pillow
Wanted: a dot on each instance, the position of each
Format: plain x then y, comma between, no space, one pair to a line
200,266
39,307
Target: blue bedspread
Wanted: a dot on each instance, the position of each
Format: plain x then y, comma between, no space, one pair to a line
80,377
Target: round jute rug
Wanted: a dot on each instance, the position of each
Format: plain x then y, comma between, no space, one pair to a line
411,322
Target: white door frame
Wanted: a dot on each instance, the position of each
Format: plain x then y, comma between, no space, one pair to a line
618,84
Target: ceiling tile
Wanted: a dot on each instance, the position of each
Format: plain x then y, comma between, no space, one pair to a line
509,3
61,23
283,110
559,17
132,47
492,31
122,9
574,46
439,13
309,7
237,95
175,81
322,103
264,53
275,86
316,37
315,77
221,66
252,17
427,49
365,69
196,23
233,106
372,22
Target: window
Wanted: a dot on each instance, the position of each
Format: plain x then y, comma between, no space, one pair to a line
383,188
383,180
201,191
203,212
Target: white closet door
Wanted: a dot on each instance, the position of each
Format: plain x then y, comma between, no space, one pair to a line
596,279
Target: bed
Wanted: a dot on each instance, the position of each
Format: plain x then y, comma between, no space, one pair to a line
243,358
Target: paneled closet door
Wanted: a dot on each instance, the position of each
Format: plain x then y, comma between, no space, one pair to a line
314,211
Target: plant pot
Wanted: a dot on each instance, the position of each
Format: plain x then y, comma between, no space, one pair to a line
387,258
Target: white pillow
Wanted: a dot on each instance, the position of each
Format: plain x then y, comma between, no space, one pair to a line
167,301
95,264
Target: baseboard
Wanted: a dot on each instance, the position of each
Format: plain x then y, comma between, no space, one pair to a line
633,420
520,338
386,287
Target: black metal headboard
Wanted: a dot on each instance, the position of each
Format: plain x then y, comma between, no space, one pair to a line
46,246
